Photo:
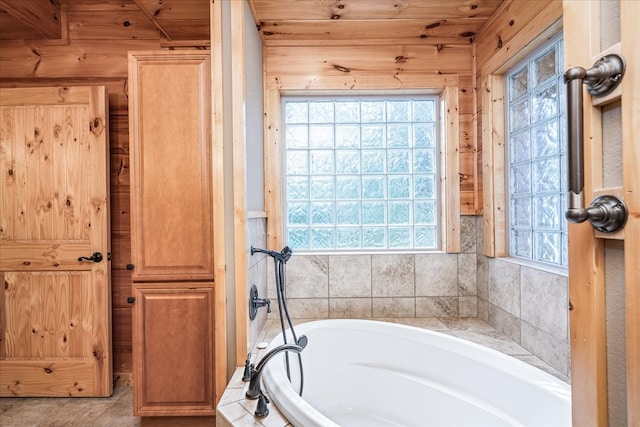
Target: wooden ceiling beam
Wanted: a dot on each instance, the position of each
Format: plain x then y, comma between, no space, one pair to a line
147,12
44,16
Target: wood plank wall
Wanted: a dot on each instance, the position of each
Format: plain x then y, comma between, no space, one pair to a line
93,54
386,67
515,30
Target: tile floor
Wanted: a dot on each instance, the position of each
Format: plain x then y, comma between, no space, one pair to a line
115,411
118,409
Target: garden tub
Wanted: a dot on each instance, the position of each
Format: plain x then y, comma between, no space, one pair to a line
370,373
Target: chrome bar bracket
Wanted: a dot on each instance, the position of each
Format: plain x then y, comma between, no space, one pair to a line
605,75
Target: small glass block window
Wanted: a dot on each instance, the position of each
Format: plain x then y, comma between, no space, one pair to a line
536,150
361,173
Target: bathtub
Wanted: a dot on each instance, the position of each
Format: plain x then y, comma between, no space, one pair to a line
370,373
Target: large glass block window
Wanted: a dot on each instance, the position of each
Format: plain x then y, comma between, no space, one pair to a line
361,173
536,150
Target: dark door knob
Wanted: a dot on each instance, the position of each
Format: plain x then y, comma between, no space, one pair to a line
130,267
96,257
131,300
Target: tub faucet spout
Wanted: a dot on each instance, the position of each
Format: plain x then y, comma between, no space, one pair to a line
254,391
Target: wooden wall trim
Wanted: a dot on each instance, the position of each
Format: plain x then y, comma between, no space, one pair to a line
364,84
219,243
451,194
586,253
273,169
21,59
515,30
477,152
238,73
494,164
630,34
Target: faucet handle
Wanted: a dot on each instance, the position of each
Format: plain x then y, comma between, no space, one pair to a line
261,409
248,369
302,341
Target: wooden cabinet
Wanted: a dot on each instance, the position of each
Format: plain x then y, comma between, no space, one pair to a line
173,349
172,233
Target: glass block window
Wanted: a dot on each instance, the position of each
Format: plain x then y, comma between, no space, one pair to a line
536,150
361,173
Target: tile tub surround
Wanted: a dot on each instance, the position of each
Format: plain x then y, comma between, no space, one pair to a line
379,285
527,304
363,286
257,271
235,410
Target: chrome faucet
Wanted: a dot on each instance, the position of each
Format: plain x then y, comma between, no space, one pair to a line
254,391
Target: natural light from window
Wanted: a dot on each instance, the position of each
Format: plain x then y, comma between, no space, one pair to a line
361,173
536,129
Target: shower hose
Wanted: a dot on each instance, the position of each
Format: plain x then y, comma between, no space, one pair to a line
279,261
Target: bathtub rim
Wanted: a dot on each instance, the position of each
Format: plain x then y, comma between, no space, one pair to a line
281,391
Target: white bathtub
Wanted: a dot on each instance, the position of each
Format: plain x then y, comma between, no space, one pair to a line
369,373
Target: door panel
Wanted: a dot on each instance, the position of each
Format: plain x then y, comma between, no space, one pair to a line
56,310
172,202
599,395
173,345
630,34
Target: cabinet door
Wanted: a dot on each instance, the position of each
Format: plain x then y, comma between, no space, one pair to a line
171,175
173,349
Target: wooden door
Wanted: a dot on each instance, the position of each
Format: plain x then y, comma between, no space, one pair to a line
172,233
55,310
597,399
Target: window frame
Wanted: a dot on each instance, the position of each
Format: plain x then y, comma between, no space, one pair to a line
449,178
492,134
547,45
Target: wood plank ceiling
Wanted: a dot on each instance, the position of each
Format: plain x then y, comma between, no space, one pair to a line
280,22
183,22
359,22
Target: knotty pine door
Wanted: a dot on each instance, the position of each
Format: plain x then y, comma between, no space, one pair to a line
604,269
55,307
172,233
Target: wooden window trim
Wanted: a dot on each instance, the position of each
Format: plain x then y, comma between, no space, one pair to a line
491,94
450,214
494,166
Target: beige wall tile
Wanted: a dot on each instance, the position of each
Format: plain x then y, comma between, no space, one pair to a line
545,301
437,307
436,275
468,236
482,277
467,266
504,321
394,307
468,306
350,276
307,276
547,347
349,308
392,275
483,309
308,308
504,285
